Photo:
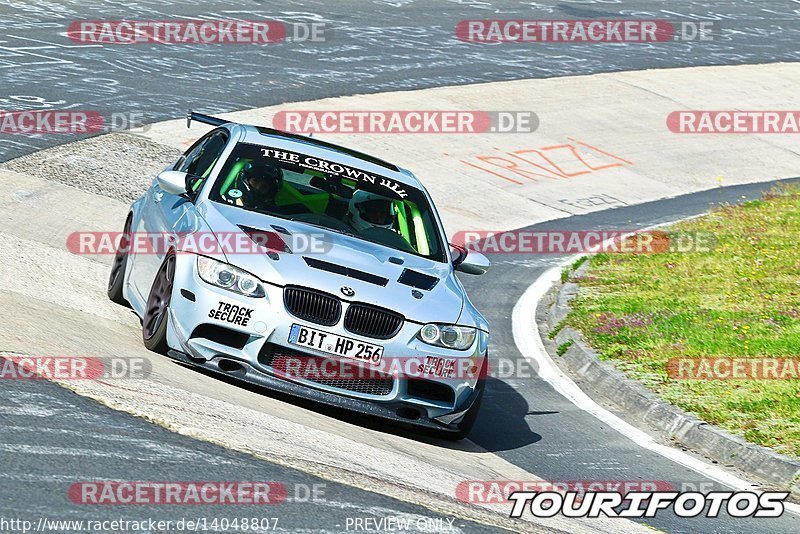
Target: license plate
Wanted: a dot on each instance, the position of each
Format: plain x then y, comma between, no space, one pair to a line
341,346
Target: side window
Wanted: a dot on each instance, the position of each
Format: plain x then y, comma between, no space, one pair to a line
202,156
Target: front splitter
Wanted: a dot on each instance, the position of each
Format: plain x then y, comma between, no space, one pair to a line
385,411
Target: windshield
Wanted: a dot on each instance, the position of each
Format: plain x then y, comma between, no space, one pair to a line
324,193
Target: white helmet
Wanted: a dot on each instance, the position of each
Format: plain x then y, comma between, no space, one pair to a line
370,210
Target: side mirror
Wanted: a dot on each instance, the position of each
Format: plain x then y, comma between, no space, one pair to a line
173,182
471,262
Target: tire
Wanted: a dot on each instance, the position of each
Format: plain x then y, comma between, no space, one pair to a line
466,424
156,314
117,276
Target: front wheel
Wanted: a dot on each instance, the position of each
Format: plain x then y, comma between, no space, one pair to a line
156,315
117,276
466,424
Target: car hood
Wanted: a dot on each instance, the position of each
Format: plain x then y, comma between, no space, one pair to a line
378,275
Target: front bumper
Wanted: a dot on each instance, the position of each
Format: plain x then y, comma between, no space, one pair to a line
395,412
240,353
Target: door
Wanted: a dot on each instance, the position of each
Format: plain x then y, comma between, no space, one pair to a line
165,215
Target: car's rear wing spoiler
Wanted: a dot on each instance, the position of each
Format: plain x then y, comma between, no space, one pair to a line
205,119
216,121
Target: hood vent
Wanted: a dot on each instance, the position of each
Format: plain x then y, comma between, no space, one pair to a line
346,271
418,280
270,241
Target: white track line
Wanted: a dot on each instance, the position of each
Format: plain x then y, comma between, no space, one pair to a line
530,345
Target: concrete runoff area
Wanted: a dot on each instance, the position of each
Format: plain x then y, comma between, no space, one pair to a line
71,298
81,321
602,141
52,440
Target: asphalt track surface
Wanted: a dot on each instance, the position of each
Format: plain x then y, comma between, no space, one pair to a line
375,46
382,47
51,438
525,421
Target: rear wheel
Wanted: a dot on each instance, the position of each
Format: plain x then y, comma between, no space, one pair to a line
117,276
154,322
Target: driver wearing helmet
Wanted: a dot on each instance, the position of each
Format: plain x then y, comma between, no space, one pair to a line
369,210
256,186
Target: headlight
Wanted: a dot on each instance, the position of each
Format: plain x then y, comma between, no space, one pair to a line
229,277
448,336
